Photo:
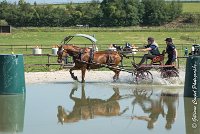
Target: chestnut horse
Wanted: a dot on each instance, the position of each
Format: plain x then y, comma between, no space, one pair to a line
85,58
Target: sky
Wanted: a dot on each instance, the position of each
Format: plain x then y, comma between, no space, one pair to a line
49,1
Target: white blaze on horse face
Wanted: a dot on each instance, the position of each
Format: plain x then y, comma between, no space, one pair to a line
62,51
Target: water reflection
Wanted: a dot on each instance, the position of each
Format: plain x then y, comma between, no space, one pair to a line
171,102
142,109
87,108
155,106
12,113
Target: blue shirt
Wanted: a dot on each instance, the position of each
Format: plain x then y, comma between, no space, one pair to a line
154,49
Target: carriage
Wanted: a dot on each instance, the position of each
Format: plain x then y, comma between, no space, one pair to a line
143,73
111,59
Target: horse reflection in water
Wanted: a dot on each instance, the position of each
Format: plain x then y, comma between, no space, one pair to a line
87,108
154,105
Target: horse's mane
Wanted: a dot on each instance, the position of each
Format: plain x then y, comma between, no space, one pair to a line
71,45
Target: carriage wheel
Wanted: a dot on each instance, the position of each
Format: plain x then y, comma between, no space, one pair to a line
144,77
169,73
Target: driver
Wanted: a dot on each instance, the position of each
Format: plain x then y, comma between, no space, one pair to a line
151,48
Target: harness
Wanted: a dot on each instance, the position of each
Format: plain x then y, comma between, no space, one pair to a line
109,60
91,58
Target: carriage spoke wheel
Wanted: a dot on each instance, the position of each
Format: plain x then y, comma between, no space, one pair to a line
144,77
169,74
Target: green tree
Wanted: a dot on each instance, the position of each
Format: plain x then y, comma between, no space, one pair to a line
134,11
120,12
158,12
3,23
91,14
21,2
174,10
107,13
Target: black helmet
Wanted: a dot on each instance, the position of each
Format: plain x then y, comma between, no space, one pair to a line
168,39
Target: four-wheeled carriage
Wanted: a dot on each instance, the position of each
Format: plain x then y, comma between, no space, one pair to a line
143,72
88,58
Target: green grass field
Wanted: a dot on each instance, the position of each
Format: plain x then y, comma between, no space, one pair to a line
49,39
191,7
52,38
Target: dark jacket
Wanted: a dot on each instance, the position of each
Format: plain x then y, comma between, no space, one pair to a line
170,50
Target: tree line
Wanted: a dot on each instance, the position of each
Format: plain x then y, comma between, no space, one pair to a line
107,13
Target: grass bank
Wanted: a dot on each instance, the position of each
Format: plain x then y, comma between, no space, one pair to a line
28,38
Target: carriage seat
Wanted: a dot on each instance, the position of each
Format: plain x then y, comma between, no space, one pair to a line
159,59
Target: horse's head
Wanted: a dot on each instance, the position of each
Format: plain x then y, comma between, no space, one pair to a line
70,50
65,51
60,54
64,116
61,114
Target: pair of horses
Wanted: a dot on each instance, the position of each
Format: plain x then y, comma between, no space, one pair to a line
87,58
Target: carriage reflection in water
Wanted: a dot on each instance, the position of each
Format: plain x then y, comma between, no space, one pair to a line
151,106
90,58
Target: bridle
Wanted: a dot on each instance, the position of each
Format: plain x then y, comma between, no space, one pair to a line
60,54
74,54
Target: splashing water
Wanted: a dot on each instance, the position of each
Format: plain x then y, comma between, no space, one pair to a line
157,79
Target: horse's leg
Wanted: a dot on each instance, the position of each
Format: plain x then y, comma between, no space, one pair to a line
116,95
83,70
83,92
116,76
73,90
72,74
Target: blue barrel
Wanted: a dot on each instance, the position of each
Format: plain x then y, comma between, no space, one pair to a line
192,77
12,80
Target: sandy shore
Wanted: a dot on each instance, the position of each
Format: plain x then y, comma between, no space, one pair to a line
91,76
64,76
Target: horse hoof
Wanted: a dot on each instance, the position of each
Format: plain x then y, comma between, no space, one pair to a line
115,80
